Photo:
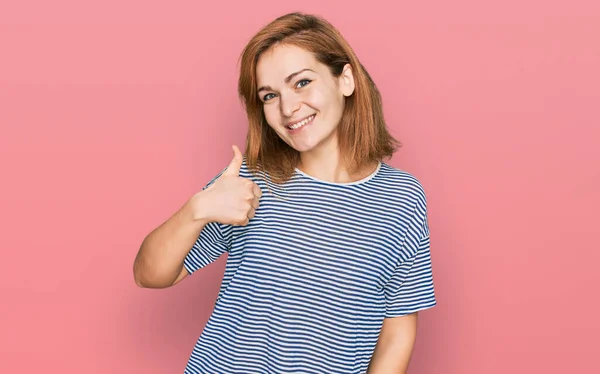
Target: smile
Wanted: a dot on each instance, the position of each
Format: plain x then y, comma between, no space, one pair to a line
298,125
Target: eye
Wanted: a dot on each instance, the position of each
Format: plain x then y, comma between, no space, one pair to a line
303,80
265,98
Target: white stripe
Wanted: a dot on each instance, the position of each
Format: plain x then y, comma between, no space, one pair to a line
308,282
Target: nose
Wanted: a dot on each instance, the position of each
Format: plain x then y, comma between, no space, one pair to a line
289,104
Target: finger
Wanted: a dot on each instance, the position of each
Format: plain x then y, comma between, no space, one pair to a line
257,191
251,213
236,163
255,203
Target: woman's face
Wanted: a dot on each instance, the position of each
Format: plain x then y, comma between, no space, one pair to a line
302,101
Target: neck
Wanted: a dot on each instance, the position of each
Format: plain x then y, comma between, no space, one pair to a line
328,165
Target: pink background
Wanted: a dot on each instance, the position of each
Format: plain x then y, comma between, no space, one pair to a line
114,113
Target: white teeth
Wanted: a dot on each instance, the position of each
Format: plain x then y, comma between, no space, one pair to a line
301,123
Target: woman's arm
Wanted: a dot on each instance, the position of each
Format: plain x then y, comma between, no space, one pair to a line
159,262
394,346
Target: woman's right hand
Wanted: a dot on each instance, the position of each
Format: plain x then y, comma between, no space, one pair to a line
231,199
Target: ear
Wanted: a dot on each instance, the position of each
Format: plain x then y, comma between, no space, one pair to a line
346,81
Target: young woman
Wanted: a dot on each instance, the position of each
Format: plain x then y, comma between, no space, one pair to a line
328,246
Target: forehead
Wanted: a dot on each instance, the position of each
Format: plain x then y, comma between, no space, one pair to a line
280,61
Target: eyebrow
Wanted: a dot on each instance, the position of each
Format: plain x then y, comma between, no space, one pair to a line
286,80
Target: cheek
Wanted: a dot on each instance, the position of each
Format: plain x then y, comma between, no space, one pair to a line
323,99
314,99
271,116
337,102
268,112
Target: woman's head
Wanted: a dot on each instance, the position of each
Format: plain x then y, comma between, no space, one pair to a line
303,101
331,88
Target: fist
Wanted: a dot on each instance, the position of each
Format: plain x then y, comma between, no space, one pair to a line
231,199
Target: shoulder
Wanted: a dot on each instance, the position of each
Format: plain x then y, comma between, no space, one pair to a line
401,183
245,171
244,168
407,198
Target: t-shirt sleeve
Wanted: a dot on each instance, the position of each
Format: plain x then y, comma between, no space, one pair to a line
410,288
210,245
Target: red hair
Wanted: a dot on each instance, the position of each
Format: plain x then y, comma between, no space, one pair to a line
362,133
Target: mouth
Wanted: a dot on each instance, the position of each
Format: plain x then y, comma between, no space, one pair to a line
298,125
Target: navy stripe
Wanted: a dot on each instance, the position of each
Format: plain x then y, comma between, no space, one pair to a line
310,279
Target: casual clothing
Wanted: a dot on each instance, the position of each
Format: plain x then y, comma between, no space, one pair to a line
310,279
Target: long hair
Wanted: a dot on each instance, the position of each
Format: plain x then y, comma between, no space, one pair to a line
362,133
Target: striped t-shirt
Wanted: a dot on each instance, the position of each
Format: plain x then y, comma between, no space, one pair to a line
310,279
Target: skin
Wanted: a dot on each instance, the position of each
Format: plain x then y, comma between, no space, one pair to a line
395,345
317,91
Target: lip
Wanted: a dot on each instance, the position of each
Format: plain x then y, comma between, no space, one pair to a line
297,120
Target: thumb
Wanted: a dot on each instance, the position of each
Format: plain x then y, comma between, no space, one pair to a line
234,167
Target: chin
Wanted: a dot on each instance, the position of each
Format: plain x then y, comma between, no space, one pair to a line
303,148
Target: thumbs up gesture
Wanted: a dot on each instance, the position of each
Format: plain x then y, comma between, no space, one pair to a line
231,199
